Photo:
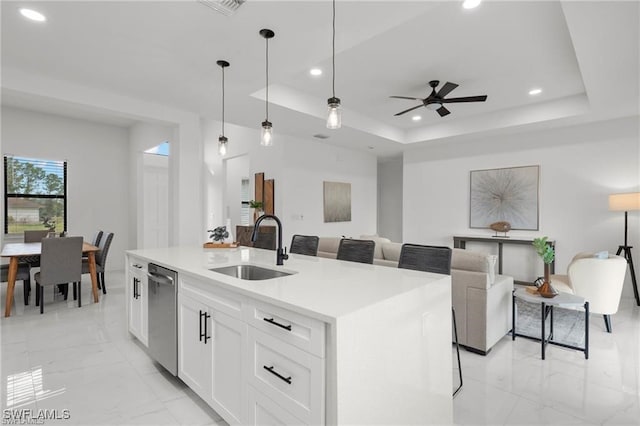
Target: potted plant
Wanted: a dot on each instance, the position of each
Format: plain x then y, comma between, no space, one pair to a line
547,253
257,207
218,234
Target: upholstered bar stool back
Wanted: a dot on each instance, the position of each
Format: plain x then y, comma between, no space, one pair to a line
304,244
360,251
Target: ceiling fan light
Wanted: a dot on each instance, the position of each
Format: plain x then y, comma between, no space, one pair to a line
266,134
433,106
334,118
222,145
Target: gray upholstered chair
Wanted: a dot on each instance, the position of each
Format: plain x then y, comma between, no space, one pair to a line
101,261
304,244
60,263
23,274
360,251
435,259
34,236
265,240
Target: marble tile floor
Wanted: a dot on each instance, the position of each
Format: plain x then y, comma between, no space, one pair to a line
84,361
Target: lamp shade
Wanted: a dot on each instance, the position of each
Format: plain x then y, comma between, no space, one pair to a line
624,202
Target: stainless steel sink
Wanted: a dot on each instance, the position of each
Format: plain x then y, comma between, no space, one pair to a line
250,272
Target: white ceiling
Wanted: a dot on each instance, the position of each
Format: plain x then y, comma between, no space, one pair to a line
584,55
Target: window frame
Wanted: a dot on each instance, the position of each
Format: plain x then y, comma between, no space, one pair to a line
8,195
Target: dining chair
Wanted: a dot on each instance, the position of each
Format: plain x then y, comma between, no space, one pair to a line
436,259
23,274
34,236
304,244
60,263
265,240
352,250
101,261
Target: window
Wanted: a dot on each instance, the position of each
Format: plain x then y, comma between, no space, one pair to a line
35,194
245,211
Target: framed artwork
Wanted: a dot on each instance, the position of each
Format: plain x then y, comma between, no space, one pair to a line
268,202
337,202
259,187
509,195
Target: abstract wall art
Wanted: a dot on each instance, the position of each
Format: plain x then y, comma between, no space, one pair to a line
508,194
337,202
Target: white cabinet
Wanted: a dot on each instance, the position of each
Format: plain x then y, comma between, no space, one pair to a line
212,347
136,296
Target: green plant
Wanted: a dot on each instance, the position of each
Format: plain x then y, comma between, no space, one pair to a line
219,233
544,250
255,204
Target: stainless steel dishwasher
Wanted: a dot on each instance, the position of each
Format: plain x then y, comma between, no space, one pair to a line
163,329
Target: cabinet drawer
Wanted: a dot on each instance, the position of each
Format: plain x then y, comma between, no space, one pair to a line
263,411
291,377
207,292
135,264
301,331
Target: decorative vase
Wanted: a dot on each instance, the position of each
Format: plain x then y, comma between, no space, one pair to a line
546,289
229,239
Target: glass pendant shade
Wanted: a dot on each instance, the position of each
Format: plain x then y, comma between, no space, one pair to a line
266,135
222,145
334,119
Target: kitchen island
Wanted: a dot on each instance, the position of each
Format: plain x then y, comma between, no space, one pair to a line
334,342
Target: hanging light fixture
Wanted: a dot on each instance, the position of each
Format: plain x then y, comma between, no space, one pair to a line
334,119
266,134
222,140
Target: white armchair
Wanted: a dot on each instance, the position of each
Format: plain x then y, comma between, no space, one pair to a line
599,281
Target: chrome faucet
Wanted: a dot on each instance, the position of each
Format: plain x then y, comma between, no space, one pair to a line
281,253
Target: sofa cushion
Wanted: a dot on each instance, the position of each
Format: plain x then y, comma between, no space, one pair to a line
391,251
377,254
328,244
468,260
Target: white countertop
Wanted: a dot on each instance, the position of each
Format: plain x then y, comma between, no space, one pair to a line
325,289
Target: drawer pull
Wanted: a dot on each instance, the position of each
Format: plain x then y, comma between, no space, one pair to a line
275,373
272,321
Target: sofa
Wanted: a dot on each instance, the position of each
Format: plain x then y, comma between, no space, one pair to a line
481,298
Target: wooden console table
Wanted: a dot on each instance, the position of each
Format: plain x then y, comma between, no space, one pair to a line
461,242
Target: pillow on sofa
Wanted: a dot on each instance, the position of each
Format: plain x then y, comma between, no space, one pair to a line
468,260
391,251
377,254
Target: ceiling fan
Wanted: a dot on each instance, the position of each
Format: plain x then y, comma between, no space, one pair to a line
435,100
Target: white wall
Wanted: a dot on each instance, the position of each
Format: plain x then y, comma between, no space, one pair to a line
299,168
390,173
579,167
97,175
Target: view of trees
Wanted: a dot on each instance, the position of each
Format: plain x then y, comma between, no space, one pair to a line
30,185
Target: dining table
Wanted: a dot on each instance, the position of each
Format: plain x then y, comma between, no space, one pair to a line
15,251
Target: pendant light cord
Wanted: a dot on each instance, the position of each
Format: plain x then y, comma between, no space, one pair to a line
222,101
267,73
333,50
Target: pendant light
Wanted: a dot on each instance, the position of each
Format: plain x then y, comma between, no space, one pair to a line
334,119
266,134
222,140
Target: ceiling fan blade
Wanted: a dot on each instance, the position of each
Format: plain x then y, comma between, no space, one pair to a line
465,99
446,89
443,111
406,97
407,110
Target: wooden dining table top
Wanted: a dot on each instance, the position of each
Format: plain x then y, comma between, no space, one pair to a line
34,249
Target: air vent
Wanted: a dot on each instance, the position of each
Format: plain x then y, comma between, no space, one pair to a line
321,136
226,7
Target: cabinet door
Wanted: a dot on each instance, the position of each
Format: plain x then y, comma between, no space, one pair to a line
194,350
135,306
229,336
264,412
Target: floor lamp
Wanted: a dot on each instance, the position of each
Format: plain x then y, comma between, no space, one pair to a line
626,203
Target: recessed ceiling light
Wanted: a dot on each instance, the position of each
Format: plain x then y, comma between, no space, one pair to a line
416,118
33,15
471,4
315,72
534,92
